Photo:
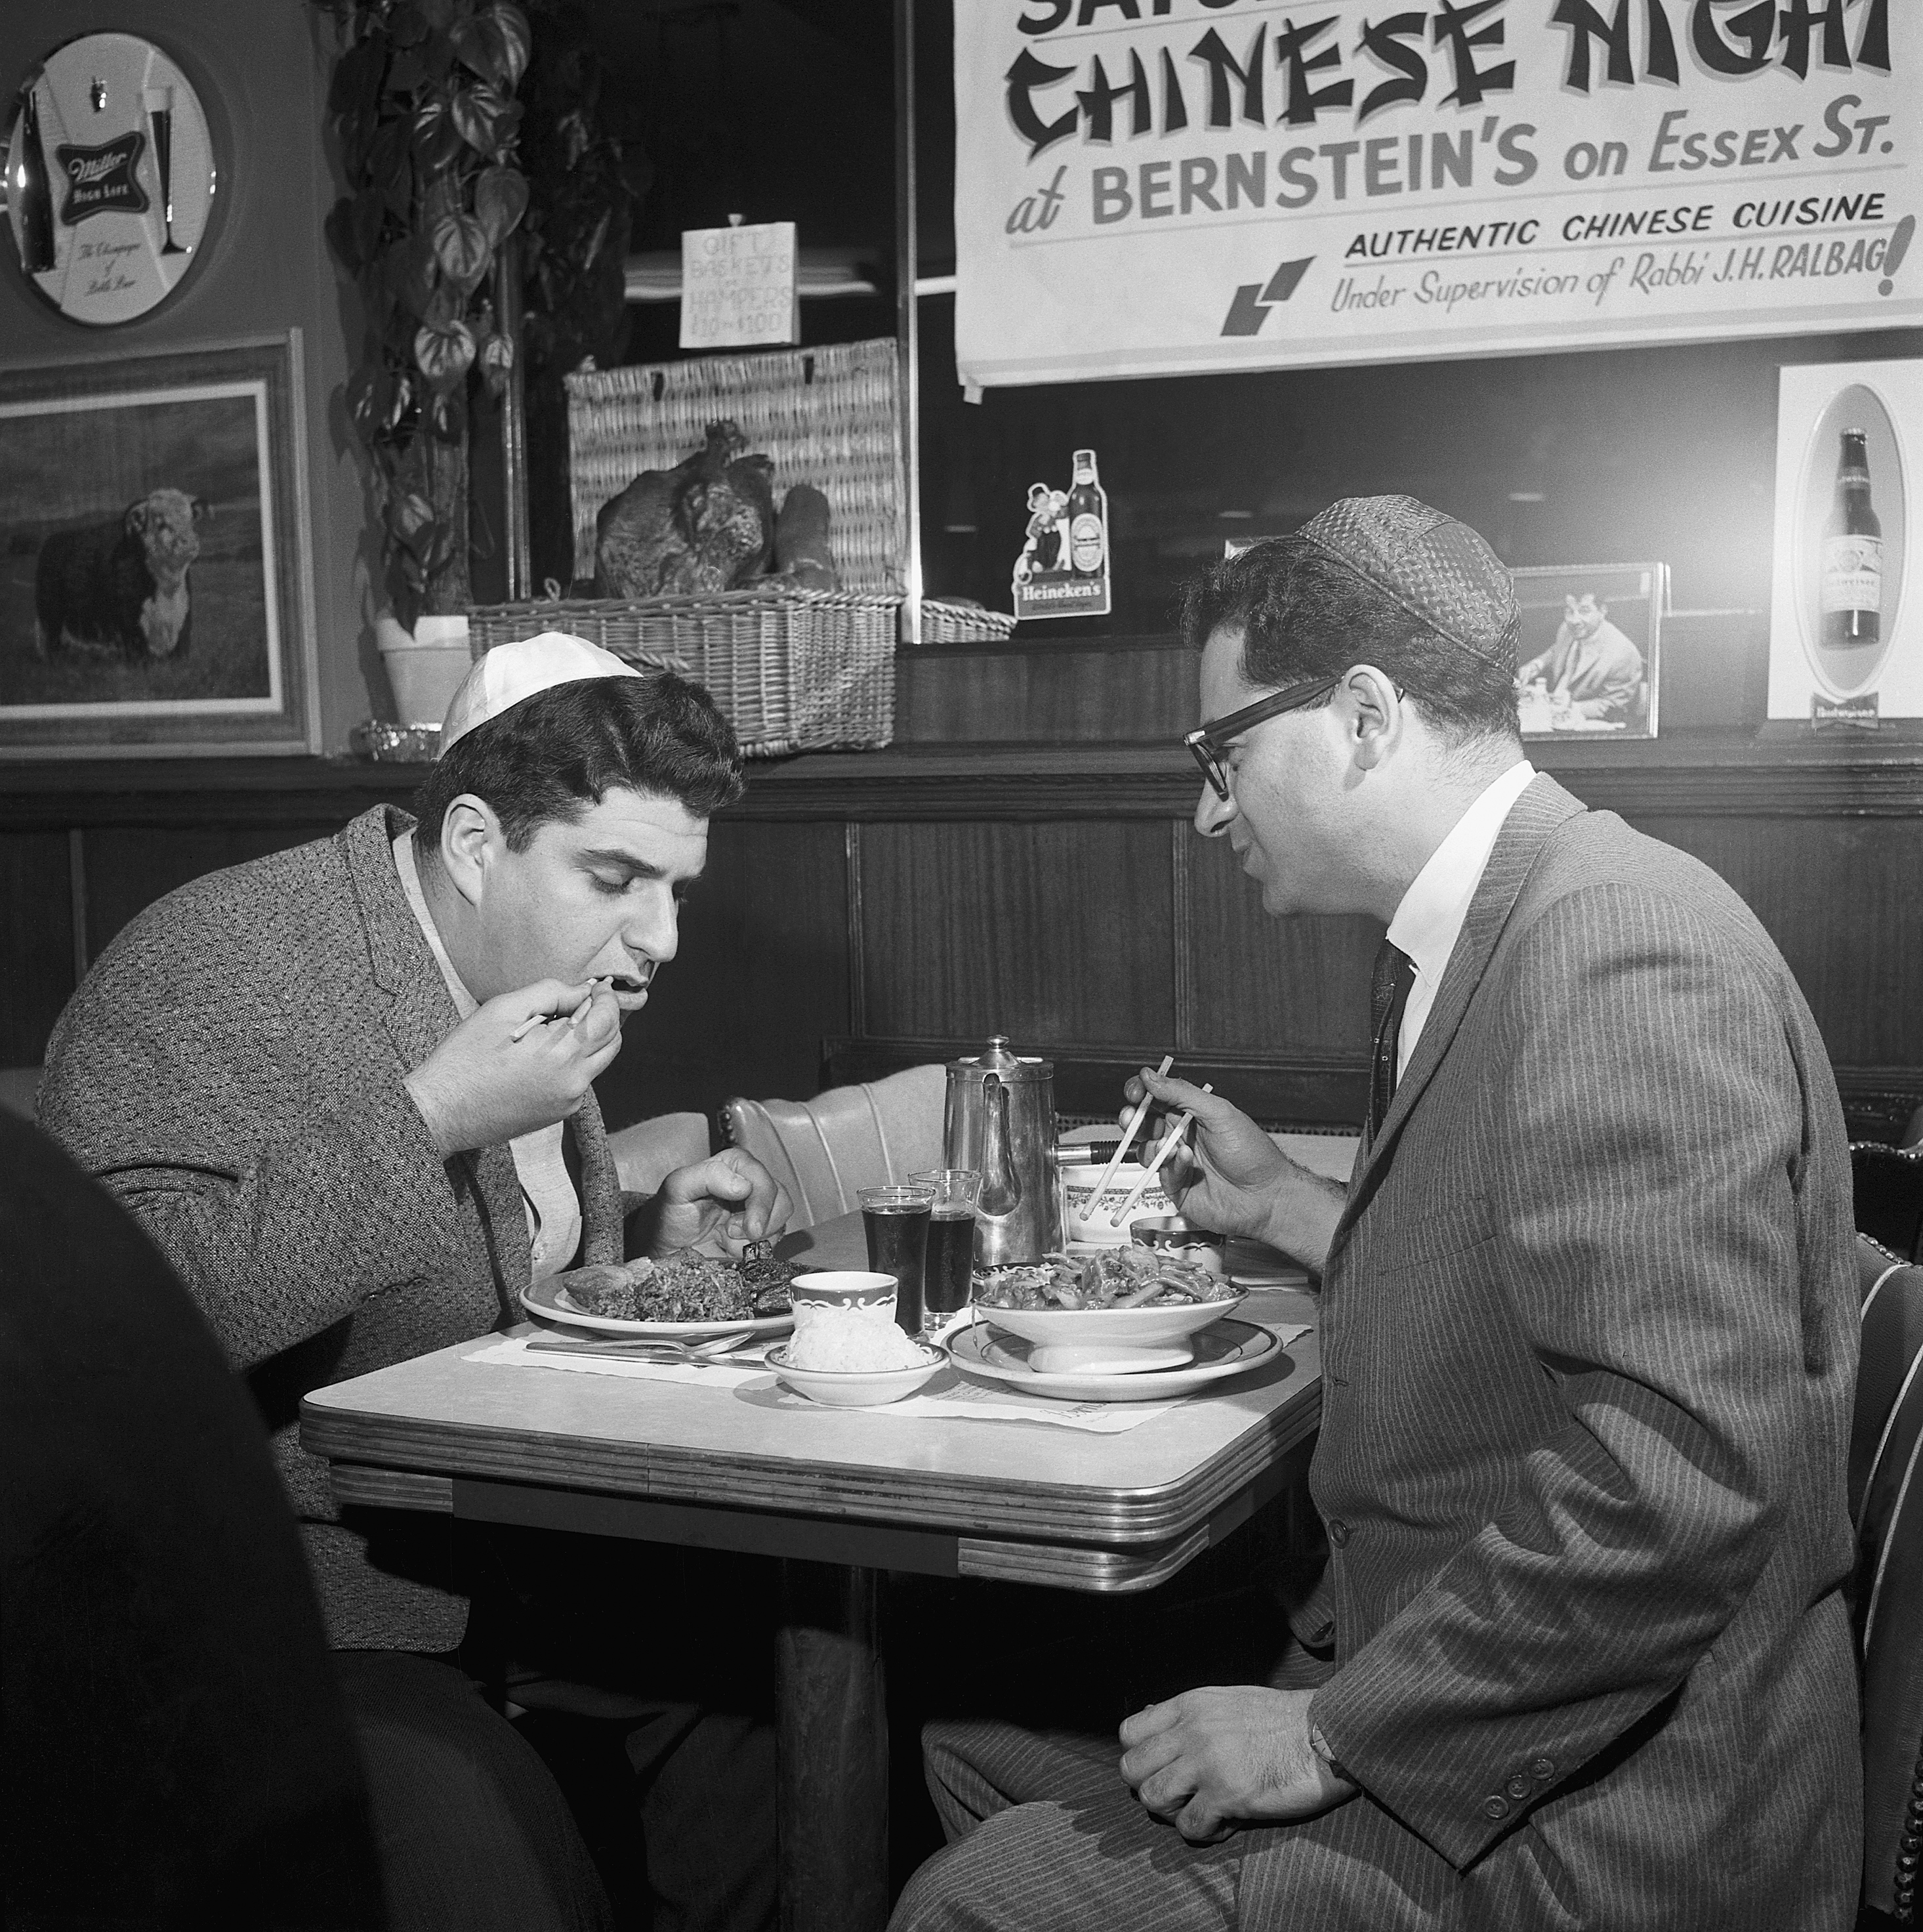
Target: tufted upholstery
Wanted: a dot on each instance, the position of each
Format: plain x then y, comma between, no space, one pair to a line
1886,1506
1887,1184
825,1150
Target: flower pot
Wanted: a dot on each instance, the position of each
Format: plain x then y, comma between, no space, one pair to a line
426,668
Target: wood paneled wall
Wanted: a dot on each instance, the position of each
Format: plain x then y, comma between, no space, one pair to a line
908,903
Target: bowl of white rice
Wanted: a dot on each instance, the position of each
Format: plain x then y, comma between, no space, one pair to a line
851,1357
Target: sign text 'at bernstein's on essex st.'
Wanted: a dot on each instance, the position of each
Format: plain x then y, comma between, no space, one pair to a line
1161,186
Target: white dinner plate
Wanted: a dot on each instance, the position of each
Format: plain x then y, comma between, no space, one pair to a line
1230,1347
550,1302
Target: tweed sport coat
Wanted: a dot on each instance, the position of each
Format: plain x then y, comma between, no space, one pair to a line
232,1070
1589,1345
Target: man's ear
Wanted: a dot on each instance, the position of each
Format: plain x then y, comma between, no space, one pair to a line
1375,709
471,841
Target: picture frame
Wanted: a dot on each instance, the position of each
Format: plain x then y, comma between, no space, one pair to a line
1589,662
156,580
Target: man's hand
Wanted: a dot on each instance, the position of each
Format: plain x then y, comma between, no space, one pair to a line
482,1086
730,1195
1208,1759
1237,1181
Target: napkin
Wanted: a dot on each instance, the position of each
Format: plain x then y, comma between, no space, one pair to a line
950,1396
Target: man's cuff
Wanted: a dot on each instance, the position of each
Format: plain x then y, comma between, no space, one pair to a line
1319,1745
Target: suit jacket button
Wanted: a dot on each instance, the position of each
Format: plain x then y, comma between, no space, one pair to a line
1495,1805
1544,1768
1519,1786
1338,1531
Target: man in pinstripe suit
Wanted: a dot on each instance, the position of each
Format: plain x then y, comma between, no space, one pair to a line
1588,1328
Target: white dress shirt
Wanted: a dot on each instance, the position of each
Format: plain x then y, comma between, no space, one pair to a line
1429,920
554,1209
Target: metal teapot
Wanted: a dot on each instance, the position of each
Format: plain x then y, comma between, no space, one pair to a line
999,1119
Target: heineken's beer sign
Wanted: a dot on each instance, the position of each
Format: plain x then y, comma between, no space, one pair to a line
1155,186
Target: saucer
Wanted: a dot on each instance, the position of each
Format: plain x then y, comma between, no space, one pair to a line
1230,1347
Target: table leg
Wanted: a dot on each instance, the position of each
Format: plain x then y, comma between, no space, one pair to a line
833,1814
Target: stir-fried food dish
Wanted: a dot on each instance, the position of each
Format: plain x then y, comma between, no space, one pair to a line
1116,1278
686,1287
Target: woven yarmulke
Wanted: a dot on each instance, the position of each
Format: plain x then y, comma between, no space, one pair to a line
1435,567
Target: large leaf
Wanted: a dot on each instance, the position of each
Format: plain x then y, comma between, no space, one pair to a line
517,40
497,363
355,88
500,200
390,167
463,249
436,139
444,353
410,520
407,25
410,272
482,114
478,44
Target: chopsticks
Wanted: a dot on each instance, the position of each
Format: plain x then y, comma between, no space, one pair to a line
527,1026
1154,1167
1128,1134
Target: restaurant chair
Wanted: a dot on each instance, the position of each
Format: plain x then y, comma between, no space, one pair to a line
1888,1183
16,1089
825,1150
1886,1508
648,1152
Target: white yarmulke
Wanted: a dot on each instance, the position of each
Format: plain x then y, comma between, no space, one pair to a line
509,672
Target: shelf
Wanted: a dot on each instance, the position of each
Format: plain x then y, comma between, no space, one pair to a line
1693,777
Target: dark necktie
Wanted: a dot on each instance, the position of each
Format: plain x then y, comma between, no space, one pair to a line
1388,993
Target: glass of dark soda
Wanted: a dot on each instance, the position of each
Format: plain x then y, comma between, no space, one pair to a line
948,1280
896,1221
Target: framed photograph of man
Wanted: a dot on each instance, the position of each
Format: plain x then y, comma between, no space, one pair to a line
156,592
1588,662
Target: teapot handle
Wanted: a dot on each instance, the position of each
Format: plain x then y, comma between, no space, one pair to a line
1001,1185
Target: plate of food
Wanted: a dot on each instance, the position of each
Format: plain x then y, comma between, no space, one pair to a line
687,1296
1229,1348
1115,1311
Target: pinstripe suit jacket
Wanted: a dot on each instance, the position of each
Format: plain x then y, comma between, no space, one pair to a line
1589,1335
232,1070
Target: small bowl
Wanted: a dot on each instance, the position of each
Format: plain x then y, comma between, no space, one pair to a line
855,1388
1109,1341
1181,1241
1086,1222
844,1288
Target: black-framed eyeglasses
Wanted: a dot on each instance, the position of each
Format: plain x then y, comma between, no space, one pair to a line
1210,742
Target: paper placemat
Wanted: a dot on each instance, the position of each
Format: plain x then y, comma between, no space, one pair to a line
950,1396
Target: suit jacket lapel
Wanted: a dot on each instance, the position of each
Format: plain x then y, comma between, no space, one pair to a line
421,1014
1543,806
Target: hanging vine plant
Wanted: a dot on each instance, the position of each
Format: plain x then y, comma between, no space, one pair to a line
423,102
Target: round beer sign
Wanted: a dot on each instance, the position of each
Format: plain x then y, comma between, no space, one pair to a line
110,177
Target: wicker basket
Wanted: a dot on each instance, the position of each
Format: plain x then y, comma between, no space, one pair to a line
792,671
828,416
964,624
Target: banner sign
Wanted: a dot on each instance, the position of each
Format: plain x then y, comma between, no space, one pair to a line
1166,187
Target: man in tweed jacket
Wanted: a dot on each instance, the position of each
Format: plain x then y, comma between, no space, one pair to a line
1588,1338
346,1088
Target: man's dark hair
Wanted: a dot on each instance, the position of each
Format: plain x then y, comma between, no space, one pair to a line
554,755
1304,615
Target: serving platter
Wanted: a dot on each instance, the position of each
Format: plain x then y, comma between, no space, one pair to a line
1230,1347
549,1301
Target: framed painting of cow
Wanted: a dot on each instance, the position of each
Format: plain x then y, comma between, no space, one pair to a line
156,593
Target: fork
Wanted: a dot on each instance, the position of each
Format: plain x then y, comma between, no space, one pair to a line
663,1349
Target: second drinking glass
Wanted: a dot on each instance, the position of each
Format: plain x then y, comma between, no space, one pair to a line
948,1277
896,1219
